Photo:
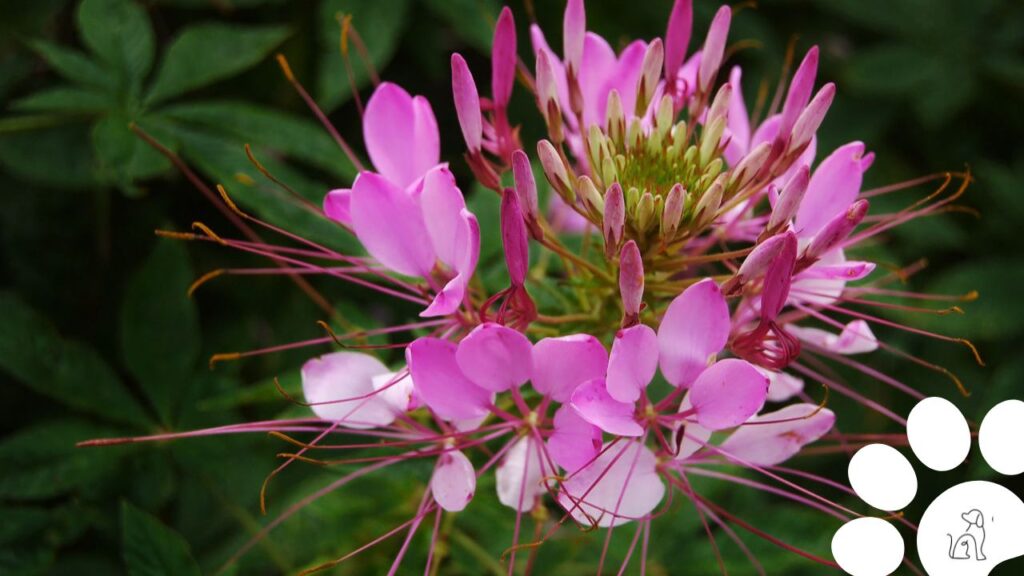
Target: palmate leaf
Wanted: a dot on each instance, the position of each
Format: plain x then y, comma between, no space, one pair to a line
160,336
152,549
206,53
72,64
65,99
67,371
119,33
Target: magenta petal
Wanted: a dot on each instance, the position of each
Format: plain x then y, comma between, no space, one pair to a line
593,403
337,205
625,78
714,48
495,357
453,482
467,103
738,121
441,385
401,134
442,203
778,278
575,441
728,393
782,386
621,485
561,364
632,363
389,223
695,327
856,338
800,90
520,478
834,185
540,44
574,27
467,246
503,58
513,237
677,36
340,387
597,69
772,438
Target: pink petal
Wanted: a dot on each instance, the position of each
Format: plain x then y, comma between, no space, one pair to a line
834,185
558,69
390,225
575,441
728,393
772,438
593,403
337,205
442,203
811,118
597,68
395,388
811,288
800,90
856,338
621,485
574,28
339,387
624,78
503,58
695,327
467,245
440,383
714,48
561,364
519,477
467,103
677,36
781,385
401,134
632,363
738,121
495,357
847,271
453,482
694,437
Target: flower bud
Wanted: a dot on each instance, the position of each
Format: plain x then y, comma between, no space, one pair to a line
616,118
513,238
720,105
645,212
714,49
588,193
467,104
800,90
709,203
749,166
555,171
810,119
526,191
664,117
835,231
547,89
778,278
789,199
614,224
631,281
675,203
758,261
710,140
503,59
650,71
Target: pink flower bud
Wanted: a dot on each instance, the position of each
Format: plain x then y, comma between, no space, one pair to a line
650,70
810,119
675,203
555,171
574,29
720,105
614,218
503,58
513,238
547,89
800,90
526,186
758,261
714,48
467,103
778,277
790,198
677,38
835,231
631,280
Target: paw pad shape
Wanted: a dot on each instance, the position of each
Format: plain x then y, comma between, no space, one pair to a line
970,528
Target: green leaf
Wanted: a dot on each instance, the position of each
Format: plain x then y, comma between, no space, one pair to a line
41,461
206,53
69,99
248,123
123,157
59,156
160,337
151,548
380,25
72,64
67,371
119,33
473,20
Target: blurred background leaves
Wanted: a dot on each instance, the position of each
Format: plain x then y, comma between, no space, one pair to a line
100,338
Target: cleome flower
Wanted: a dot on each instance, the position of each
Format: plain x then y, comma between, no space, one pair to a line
659,320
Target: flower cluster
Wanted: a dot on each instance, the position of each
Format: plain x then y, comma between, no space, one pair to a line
599,378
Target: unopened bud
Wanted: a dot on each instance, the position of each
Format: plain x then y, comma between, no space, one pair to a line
588,193
720,105
616,118
757,262
645,213
714,49
650,71
631,281
749,166
790,198
513,238
675,203
614,225
467,104
811,118
526,191
710,140
709,203
835,231
555,171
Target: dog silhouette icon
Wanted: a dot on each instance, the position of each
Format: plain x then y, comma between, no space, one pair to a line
970,544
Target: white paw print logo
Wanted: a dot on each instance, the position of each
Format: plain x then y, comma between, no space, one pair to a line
970,528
